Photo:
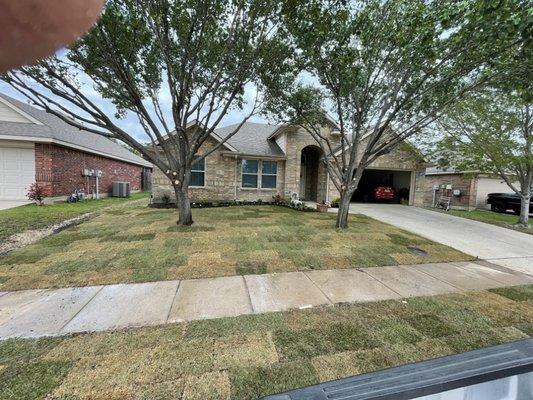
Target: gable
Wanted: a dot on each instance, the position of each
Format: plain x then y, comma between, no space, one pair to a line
9,113
403,156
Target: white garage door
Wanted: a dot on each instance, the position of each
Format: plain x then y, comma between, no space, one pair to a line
17,172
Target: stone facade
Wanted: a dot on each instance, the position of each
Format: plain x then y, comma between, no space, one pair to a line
59,170
223,179
296,140
223,173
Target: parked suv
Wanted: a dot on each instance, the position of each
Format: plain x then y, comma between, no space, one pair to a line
501,202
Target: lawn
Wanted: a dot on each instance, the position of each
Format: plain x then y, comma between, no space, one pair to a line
501,219
19,219
139,244
252,356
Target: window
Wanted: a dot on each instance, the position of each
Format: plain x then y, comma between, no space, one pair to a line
269,173
249,173
251,178
198,173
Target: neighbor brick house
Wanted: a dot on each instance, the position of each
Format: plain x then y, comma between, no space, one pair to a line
263,160
468,189
39,147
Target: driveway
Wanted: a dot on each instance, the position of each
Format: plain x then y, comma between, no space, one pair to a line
501,246
5,204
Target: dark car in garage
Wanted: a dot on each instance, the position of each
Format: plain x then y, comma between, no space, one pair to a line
502,202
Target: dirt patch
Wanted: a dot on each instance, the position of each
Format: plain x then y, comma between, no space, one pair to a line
33,235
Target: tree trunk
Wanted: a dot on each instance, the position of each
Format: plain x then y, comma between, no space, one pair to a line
184,205
524,210
344,208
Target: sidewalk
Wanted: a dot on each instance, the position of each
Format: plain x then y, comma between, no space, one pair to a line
56,312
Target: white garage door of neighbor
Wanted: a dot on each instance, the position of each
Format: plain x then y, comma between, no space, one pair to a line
17,172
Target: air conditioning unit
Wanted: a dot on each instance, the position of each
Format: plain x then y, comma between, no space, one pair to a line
121,189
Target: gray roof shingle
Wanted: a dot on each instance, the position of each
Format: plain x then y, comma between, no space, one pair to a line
54,128
252,139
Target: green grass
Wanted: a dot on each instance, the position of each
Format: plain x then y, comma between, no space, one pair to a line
500,219
19,219
134,243
248,357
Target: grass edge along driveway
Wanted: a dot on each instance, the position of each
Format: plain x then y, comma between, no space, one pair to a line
505,220
138,244
251,356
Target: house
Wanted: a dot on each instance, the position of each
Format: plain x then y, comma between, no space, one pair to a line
39,147
468,189
263,160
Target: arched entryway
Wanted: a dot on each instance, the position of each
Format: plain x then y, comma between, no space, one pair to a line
309,173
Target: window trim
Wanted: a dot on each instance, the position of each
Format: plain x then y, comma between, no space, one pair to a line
259,174
197,170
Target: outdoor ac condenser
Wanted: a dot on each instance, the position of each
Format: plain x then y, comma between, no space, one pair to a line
121,189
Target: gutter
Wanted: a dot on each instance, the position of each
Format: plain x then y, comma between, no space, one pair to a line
35,139
252,156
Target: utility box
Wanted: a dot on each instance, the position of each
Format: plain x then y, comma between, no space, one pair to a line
121,189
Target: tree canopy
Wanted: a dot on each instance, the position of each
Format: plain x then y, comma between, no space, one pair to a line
384,70
178,66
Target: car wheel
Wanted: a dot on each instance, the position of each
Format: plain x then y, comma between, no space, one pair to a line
498,207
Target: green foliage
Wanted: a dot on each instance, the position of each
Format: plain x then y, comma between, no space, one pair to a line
384,70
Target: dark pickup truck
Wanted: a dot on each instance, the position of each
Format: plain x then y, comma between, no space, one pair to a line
501,202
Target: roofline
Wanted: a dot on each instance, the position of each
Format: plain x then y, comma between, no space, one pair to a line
19,111
276,131
260,156
457,172
212,134
223,141
72,146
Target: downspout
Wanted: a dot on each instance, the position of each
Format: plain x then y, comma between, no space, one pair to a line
235,180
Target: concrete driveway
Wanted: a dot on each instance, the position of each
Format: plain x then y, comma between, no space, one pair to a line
5,204
501,246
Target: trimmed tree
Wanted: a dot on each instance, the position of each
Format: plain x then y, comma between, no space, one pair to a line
383,71
178,66
492,132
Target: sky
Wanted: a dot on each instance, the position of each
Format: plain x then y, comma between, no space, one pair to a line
130,123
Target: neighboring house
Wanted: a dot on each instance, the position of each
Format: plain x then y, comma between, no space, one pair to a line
263,160
471,188
39,147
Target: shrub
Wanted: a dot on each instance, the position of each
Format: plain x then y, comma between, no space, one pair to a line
37,193
277,199
335,203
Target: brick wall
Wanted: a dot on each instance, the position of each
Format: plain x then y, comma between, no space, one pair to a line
60,170
466,184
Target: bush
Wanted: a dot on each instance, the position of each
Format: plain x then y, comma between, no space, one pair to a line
335,203
166,199
37,193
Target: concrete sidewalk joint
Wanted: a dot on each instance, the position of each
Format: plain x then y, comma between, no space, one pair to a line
37,313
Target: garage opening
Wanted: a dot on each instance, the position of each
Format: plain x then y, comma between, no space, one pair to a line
375,183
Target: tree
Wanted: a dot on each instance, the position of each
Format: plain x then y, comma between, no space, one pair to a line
383,71
199,54
492,132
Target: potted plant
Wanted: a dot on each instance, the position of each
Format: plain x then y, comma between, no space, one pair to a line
322,207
